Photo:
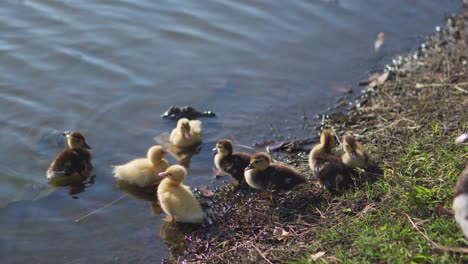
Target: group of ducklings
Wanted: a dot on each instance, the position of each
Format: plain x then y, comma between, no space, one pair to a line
177,200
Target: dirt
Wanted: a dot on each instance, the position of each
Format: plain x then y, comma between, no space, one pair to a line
424,89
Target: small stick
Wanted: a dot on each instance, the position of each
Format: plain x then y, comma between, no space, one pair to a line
437,245
95,211
244,146
261,254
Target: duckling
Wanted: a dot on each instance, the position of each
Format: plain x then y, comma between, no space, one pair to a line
460,197
176,199
143,172
328,168
232,163
354,156
279,177
187,133
73,164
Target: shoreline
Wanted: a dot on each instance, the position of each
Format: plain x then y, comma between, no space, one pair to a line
407,124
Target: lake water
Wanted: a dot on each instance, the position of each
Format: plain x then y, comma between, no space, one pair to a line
110,68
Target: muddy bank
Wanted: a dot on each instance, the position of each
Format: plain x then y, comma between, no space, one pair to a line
425,94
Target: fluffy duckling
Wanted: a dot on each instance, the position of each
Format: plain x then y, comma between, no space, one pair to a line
328,168
460,197
73,164
143,172
354,156
187,133
262,174
229,162
176,199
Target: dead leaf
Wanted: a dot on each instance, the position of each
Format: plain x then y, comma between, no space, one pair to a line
205,191
280,233
382,77
318,255
379,41
372,77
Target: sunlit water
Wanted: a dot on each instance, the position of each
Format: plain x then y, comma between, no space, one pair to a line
110,69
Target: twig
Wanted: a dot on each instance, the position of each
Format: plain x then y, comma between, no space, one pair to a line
95,211
422,85
460,89
244,146
437,245
261,254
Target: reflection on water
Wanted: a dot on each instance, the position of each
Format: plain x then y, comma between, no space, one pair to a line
110,71
182,155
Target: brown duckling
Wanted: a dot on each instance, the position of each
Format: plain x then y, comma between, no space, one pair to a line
460,197
279,177
176,199
354,156
327,167
229,162
73,164
187,133
143,172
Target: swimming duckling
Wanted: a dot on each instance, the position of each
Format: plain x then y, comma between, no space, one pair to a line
328,168
187,133
73,164
279,177
176,199
354,156
232,163
143,172
460,197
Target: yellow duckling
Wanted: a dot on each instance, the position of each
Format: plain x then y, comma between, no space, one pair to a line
229,162
73,164
460,196
279,177
176,199
354,156
143,172
328,168
187,133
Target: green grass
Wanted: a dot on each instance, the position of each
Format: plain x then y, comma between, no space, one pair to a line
417,183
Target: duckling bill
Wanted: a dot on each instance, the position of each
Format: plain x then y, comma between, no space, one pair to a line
73,164
187,133
262,174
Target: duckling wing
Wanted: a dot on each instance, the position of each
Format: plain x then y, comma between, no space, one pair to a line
138,171
283,178
195,126
179,202
69,161
236,164
333,174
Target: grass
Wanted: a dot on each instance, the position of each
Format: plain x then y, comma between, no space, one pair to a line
417,184
399,210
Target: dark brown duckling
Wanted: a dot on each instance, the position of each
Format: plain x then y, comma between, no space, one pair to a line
327,167
229,162
73,164
264,175
460,196
354,156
